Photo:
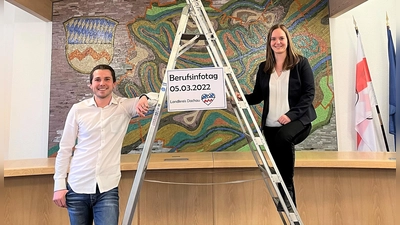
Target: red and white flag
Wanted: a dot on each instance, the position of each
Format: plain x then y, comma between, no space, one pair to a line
365,99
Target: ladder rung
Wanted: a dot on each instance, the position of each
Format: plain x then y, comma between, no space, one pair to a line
258,141
275,178
242,105
294,218
187,37
292,215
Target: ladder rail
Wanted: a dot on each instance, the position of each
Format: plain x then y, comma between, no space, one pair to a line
264,163
263,169
250,131
199,9
265,166
268,185
185,47
145,155
144,159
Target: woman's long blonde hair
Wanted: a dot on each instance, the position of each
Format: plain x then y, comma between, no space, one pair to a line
292,57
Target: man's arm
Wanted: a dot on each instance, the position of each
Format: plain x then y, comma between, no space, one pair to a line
63,158
146,102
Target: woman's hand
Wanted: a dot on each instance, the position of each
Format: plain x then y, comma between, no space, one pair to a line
238,96
232,100
284,120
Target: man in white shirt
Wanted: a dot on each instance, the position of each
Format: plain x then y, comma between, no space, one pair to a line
90,150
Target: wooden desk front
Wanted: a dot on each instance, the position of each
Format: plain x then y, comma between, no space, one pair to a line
332,188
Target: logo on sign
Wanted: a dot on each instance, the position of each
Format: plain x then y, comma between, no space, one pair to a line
208,98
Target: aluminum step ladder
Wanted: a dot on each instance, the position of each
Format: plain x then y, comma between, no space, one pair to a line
195,11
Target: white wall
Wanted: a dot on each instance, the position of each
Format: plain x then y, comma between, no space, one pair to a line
28,65
28,47
371,21
4,115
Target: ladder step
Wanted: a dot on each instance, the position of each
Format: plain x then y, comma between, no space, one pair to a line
274,176
276,179
187,37
258,141
294,218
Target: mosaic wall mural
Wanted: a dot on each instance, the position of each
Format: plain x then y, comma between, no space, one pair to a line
140,49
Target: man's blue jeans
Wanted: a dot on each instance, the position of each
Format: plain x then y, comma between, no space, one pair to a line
103,208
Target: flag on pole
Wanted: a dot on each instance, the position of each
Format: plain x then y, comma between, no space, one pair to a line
392,83
365,99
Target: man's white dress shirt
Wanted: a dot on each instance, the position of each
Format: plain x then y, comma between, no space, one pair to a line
97,135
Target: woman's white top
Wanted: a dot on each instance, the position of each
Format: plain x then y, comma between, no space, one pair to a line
278,97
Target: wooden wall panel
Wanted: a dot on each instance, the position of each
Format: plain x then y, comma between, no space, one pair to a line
43,9
329,196
29,200
181,202
332,188
246,202
346,196
124,189
338,7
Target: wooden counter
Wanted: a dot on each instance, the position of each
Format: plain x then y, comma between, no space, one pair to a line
307,159
223,188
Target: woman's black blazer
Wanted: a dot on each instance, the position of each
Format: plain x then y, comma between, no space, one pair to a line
301,92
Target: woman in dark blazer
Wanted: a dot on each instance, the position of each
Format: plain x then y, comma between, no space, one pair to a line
285,82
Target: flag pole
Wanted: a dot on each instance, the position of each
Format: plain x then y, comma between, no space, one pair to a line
355,25
376,102
387,20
